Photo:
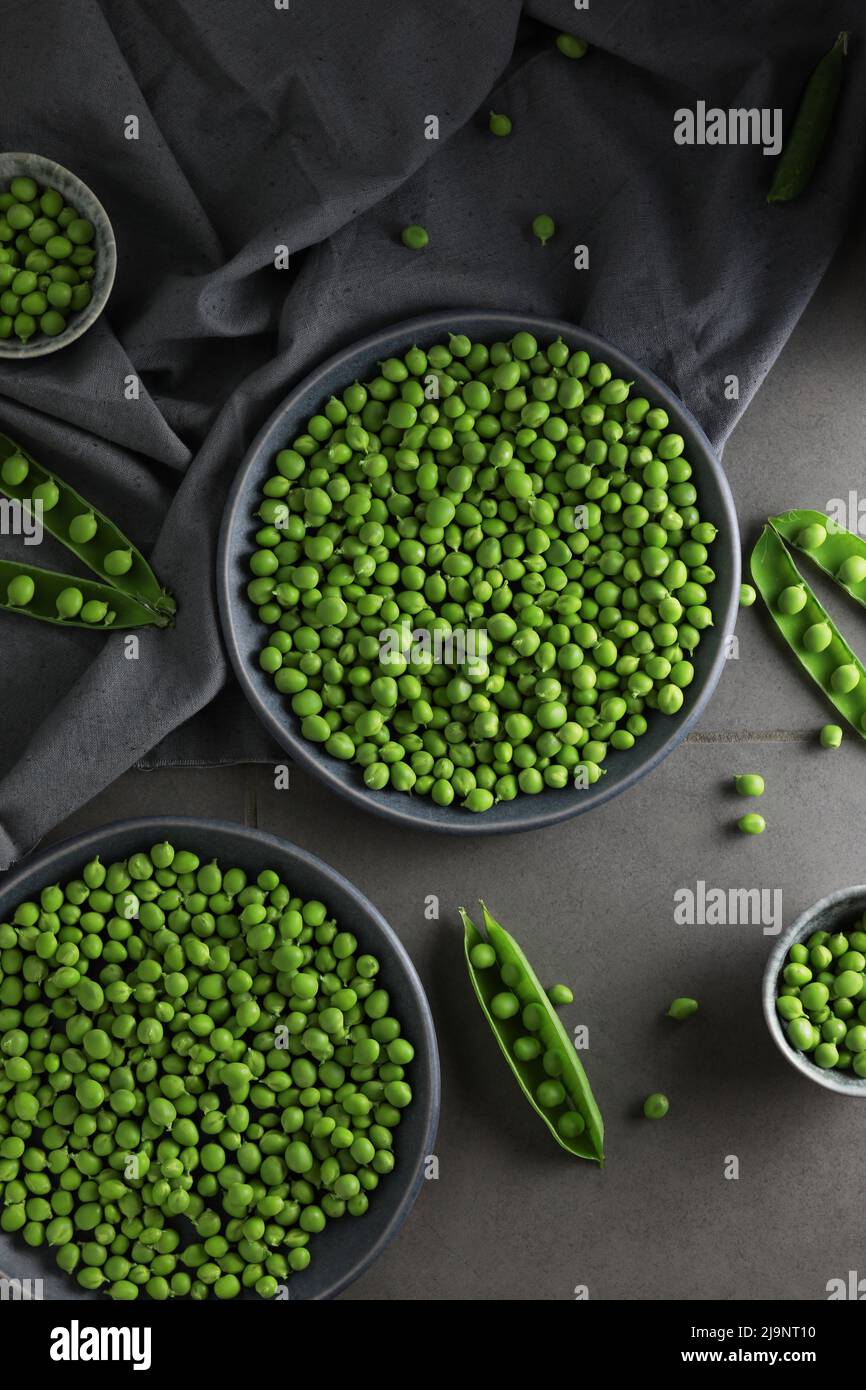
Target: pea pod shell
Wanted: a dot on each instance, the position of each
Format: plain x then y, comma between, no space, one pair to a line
773,570
808,133
839,546
140,582
127,612
552,1035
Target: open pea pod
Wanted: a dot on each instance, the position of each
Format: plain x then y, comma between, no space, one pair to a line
555,1044
839,553
115,610
83,530
805,625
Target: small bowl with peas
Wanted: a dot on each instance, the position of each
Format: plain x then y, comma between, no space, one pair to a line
58,256
815,992
478,570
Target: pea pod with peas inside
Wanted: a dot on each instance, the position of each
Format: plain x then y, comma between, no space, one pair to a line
98,543
67,599
532,1039
808,629
839,553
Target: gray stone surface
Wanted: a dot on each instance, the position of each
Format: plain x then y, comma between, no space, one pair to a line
511,1217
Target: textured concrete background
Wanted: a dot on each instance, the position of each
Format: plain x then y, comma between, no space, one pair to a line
510,1216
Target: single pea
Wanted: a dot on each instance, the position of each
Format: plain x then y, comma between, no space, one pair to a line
656,1106
69,602
570,46
817,637
415,237
499,124
20,591
749,784
482,955
682,1008
560,996
117,563
504,1006
752,824
543,227
748,595
793,599
14,470
830,736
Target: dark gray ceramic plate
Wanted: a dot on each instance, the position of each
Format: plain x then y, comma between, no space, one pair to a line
347,1247
244,634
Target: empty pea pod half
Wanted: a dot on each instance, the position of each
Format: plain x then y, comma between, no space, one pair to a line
126,581
532,1039
806,626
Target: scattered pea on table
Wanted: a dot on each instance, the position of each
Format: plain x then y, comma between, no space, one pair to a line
830,736
752,824
656,1106
682,1008
415,237
499,123
749,784
543,227
748,595
570,46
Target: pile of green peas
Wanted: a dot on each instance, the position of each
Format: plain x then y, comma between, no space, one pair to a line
46,260
822,999
518,494
198,1071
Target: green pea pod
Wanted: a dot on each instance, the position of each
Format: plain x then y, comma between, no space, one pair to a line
841,554
550,1033
100,537
773,571
807,135
122,612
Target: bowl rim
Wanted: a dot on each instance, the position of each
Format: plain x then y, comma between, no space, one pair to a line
108,244
534,816
84,842
798,930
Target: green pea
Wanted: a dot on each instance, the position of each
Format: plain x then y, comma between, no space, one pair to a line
749,784
656,1106
752,824
415,237
499,124
69,602
682,1008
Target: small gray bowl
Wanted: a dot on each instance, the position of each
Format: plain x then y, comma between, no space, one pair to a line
348,1247
833,913
243,632
86,203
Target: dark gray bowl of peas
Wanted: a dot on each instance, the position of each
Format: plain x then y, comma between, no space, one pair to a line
385,521
58,256
814,992
94,1110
